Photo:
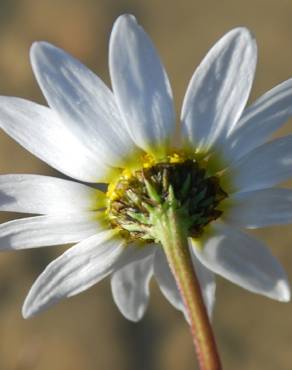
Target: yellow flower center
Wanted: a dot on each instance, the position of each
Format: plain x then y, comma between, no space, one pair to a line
179,180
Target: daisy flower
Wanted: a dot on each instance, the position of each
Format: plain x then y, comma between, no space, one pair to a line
216,167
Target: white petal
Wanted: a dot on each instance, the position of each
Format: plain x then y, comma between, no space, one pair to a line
39,130
263,167
140,85
130,287
243,260
76,270
134,253
47,230
83,102
260,120
260,208
44,194
207,283
219,89
166,282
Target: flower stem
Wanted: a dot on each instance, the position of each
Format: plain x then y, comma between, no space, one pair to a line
171,232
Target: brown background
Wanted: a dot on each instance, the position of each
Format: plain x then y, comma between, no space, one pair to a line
87,332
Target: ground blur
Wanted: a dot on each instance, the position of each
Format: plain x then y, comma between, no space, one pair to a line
87,332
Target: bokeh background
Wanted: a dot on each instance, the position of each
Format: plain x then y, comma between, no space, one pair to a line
87,332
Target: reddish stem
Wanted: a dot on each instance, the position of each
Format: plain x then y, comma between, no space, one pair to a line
173,238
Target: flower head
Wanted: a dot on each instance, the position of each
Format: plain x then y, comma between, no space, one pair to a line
217,168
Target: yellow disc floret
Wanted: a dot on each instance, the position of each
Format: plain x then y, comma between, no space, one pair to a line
137,191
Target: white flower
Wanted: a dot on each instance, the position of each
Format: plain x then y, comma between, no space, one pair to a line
95,135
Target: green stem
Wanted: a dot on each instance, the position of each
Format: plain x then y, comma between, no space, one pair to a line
172,234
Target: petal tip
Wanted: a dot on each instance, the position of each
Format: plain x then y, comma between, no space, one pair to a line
35,51
39,49
243,31
283,293
26,311
30,307
123,23
36,46
136,318
126,18
245,36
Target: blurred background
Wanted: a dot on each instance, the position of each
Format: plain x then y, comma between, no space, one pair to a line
87,332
